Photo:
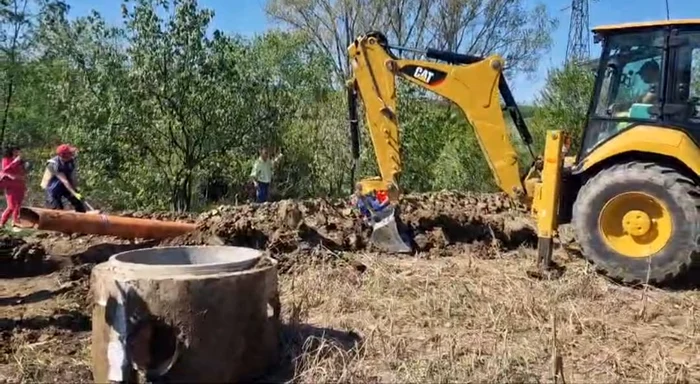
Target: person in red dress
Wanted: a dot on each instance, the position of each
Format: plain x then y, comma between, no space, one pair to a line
12,179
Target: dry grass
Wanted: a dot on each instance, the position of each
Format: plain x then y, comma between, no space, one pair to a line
453,319
51,344
462,319
59,358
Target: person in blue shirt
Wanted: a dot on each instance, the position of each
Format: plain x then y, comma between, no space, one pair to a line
373,205
367,204
60,180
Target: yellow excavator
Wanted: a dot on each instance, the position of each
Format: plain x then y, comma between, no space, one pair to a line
631,191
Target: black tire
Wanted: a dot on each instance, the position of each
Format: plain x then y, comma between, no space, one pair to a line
680,194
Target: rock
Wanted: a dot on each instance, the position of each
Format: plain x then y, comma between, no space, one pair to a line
439,238
290,213
353,242
421,241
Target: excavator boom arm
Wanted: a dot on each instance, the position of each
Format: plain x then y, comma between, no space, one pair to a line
474,86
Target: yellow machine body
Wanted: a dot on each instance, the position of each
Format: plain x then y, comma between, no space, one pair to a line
633,189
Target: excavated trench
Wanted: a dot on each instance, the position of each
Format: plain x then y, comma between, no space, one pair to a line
19,258
436,221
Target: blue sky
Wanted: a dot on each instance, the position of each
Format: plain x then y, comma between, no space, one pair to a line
248,17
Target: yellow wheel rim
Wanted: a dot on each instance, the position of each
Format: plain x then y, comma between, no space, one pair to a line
635,224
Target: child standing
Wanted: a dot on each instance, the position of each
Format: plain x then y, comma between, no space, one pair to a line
261,175
12,178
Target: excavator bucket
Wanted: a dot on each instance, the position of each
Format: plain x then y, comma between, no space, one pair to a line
385,233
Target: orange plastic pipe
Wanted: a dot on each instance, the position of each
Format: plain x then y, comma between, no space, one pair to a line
99,224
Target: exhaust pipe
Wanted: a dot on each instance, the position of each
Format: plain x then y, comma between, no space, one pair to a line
99,224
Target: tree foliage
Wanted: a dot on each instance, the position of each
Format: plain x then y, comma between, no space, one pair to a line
563,103
168,114
518,32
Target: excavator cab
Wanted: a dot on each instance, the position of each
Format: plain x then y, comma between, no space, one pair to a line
635,212
636,85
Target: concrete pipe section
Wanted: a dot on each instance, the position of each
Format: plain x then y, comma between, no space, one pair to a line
185,314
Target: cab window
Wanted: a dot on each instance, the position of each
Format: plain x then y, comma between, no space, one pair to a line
630,76
684,82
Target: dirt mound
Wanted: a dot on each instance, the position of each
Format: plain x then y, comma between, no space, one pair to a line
435,221
19,258
165,216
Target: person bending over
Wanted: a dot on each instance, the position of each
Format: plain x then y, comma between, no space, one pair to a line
60,180
370,204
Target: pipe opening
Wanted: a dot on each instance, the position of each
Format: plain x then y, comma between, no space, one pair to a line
189,259
28,217
154,346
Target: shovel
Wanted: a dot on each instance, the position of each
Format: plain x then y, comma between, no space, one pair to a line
385,233
90,209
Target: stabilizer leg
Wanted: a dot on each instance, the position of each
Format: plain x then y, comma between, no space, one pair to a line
546,203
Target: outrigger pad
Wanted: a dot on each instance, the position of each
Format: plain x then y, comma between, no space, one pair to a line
386,236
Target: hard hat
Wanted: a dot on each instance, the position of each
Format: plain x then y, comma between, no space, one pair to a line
382,196
65,149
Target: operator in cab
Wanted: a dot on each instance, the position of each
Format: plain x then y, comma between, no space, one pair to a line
60,180
649,72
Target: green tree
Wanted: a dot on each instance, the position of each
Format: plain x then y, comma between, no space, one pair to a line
516,30
563,103
162,110
19,21
296,111
178,113
170,115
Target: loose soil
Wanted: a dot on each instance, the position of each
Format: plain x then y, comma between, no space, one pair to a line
440,224
462,309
